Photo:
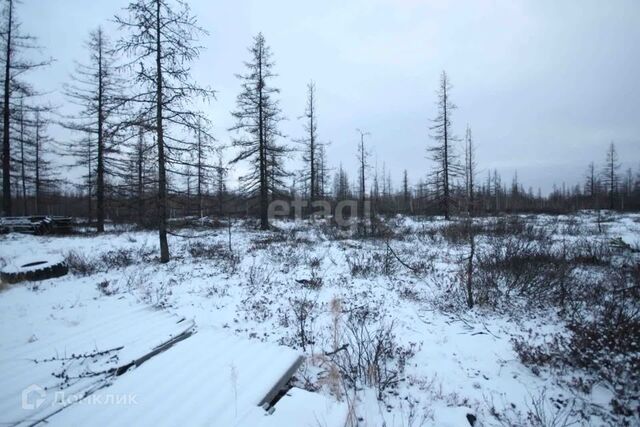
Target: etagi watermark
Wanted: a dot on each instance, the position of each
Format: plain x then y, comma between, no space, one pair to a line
35,396
345,213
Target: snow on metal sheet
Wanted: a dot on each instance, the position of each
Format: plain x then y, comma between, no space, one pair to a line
301,408
212,378
53,369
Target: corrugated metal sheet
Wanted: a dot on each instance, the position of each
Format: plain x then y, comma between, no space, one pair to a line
301,408
90,372
34,374
213,379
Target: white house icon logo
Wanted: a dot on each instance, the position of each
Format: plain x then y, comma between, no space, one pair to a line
33,396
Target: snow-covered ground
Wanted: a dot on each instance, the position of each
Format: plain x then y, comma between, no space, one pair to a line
311,289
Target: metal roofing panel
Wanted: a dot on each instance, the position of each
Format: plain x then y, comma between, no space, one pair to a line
212,378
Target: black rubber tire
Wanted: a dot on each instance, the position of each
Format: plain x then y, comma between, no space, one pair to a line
29,271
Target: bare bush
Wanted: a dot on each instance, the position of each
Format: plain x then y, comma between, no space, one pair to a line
542,411
591,252
315,281
332,231
158,294
410,293
117,258
304,311
257,277
270,239
84,265
198,249
517,226
370,355
457,233
513,266
106,289
218,289
372,263
259,293
228,259
80,264
378,229
289,255
599,346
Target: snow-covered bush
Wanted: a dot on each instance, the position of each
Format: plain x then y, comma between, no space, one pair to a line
541,411
199,249
156,294
106,289
601,345
370,355
304,312
512,267
457,232
117,258
269,239
289,255
84,265
593,252
228,260
372,263
80,264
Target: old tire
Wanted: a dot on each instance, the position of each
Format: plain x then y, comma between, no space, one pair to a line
34,270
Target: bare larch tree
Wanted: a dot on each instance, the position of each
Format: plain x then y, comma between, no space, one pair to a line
442,154
363,165
44,179
204,169
323,171
406,195
610,174
591,185
160,38
25,151
341,186
470,170
97,89
220,184
311,146
141,174
15,44
257,116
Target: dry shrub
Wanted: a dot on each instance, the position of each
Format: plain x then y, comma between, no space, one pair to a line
117,258
601,345
457,233
372,263
229,260
591,252
305,312
370,354
80,264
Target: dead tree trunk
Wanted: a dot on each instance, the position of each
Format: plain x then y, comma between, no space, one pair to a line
162,174
6,147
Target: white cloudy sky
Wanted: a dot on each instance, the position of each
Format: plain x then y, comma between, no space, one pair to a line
545,85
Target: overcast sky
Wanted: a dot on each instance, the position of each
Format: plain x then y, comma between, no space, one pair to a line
544,85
